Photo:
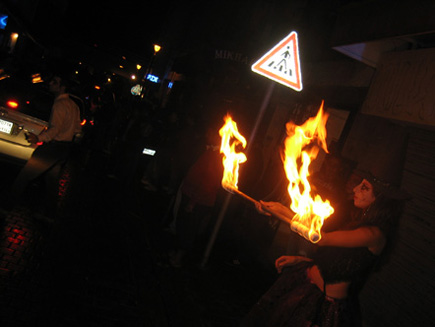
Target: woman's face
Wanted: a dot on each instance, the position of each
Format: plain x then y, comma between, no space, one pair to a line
363,195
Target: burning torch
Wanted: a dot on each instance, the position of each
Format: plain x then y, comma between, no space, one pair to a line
309,213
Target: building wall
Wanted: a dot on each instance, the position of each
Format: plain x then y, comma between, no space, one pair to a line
402,293
402,88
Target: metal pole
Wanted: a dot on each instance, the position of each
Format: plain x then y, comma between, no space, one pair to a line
224,208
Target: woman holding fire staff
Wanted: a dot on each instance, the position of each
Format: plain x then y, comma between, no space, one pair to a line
323,290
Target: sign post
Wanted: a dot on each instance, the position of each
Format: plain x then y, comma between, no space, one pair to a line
280,64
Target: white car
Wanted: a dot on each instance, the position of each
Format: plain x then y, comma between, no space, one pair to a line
13,128
23,108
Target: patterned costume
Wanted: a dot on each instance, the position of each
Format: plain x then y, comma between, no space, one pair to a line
293,300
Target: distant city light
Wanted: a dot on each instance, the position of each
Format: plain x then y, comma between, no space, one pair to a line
149,152
36,78
14,38
136,89
133,77
138,67
152,78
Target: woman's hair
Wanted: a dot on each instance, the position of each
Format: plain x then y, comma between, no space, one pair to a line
384,213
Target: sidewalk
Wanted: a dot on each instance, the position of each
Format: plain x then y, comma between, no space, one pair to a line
103,262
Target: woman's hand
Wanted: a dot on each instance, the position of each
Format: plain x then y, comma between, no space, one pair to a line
277,209
288,260
260,209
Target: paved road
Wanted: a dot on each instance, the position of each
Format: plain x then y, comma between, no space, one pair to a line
103,262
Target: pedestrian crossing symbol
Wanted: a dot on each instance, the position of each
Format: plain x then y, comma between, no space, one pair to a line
281,63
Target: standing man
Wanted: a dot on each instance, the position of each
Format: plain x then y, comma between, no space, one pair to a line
57,141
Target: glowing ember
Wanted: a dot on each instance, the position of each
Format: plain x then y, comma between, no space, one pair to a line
231,138
301,147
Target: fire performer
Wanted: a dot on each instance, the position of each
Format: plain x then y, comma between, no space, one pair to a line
323,290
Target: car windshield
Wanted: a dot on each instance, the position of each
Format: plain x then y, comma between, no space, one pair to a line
31,99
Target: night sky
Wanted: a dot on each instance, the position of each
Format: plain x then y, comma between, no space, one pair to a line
127,25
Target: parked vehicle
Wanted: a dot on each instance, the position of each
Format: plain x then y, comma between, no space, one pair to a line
24,107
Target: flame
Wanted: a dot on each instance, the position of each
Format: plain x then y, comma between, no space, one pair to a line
301,147
231,138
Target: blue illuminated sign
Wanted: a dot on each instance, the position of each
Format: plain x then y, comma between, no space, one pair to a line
3,21
170,85
152,78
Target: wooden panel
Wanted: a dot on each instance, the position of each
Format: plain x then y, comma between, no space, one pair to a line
403,86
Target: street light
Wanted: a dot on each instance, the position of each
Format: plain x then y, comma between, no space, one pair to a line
156,48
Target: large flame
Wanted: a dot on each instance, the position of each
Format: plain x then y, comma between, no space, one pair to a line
301,147
231,138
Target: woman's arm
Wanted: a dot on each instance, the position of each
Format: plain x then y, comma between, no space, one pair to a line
289,260
367,236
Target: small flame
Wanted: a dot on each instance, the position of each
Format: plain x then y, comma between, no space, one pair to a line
231,138
309,212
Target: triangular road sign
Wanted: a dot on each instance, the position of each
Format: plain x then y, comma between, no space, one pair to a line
281,63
